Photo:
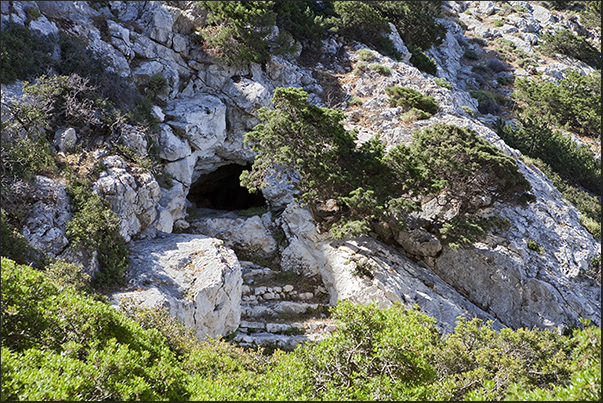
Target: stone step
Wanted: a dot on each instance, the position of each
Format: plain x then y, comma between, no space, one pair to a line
258,294
310,326
276,334
276,308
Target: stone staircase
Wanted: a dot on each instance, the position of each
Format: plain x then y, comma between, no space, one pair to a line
281,309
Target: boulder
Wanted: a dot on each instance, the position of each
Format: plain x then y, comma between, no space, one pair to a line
65,139
201,120
194,277
419,242
172,147
248,234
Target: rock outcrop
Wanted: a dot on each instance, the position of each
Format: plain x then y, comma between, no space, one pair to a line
196,278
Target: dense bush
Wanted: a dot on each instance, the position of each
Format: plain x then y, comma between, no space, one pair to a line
369,186
361,21
240,32
95,227
471,166
442,82
567,43
573,102
415,21
488,102
411,98
421,61
535,138
58,344
61,344
23,55
367,22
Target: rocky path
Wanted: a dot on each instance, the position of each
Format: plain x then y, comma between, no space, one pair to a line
280,309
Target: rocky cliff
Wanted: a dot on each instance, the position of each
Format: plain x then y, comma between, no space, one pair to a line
202,119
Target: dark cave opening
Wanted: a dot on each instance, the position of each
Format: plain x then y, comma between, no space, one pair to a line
221,190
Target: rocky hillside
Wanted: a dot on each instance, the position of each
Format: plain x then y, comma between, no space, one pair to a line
142,116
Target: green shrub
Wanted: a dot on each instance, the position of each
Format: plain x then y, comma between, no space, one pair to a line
368,185
505,80
231,38
442,82
23,55
411,98
498,23
488,102
354,101
32,13
533,245
534,138
304,20
470,165
573,102
470,54
469,229
414,114
360,68
367,22
349,364
25,158
157,85
415,21
366,55
421,61
58,344
567,43
478,363
383,70
468,110
95,227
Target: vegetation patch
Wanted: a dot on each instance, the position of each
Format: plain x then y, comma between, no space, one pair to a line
573,102
535,138
411,98
442,82
469,229
368,185
565,42
61,343
488,101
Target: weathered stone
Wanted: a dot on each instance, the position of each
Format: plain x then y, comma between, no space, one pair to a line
65,139
194,277
132,196
45,227
249,234
419,242
172,147
42,26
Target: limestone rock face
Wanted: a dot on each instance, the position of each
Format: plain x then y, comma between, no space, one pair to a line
45,228
196,278
133,195
365,270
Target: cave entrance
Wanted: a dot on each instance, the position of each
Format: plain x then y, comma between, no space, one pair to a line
221,190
